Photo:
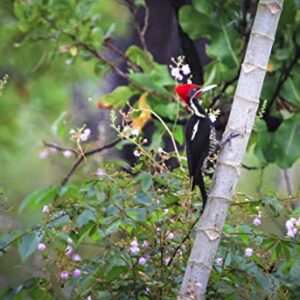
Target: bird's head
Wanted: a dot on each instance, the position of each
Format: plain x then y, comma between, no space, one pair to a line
187,92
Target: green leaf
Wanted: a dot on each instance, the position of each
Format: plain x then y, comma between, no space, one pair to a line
178,134
204,6
28,244
140,57
145,180
7,239
118,97
274,204
194,23
291,89
86,216
140,3
38,198
157,79
287,142
223,48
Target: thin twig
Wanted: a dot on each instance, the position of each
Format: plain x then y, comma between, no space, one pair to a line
86,154
58,148
187,236
140,31
282,79
167,129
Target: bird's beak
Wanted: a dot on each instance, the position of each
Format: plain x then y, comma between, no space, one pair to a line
207,88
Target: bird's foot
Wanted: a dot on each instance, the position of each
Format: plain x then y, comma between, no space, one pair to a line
231,136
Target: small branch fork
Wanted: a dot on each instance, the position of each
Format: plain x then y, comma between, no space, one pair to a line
81,157
141,30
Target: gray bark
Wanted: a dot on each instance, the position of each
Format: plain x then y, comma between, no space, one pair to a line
241,120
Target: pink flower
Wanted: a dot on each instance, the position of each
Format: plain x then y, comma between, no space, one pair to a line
142,260
145,244
76,257
167,260
134,247
248,252
64,275
170,235
76,273
43,154
100,172
41,247
256,221
63,48
85,135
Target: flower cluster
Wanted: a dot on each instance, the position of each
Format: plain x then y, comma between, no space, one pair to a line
292,225
80,135
179,69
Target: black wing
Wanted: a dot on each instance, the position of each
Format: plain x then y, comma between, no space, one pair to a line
197,148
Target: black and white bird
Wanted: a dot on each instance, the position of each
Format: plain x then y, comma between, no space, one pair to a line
200,135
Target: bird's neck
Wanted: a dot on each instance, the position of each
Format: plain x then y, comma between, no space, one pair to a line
196,109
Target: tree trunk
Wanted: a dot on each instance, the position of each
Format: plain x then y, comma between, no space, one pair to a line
242,116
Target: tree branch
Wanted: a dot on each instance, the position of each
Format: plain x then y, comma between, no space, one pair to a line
241,120
284,75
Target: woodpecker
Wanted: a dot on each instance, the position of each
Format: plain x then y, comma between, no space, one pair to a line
200,135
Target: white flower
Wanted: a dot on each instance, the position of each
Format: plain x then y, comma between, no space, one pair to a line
248,252
213,118
67,153
175,72
69,250
45,209
134,132
160,150
136,153
72,131
85,135
219,261
186,69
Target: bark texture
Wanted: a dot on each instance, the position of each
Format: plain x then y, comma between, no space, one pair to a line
241,120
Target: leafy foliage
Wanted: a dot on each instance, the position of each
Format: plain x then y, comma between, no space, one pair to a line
129,232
